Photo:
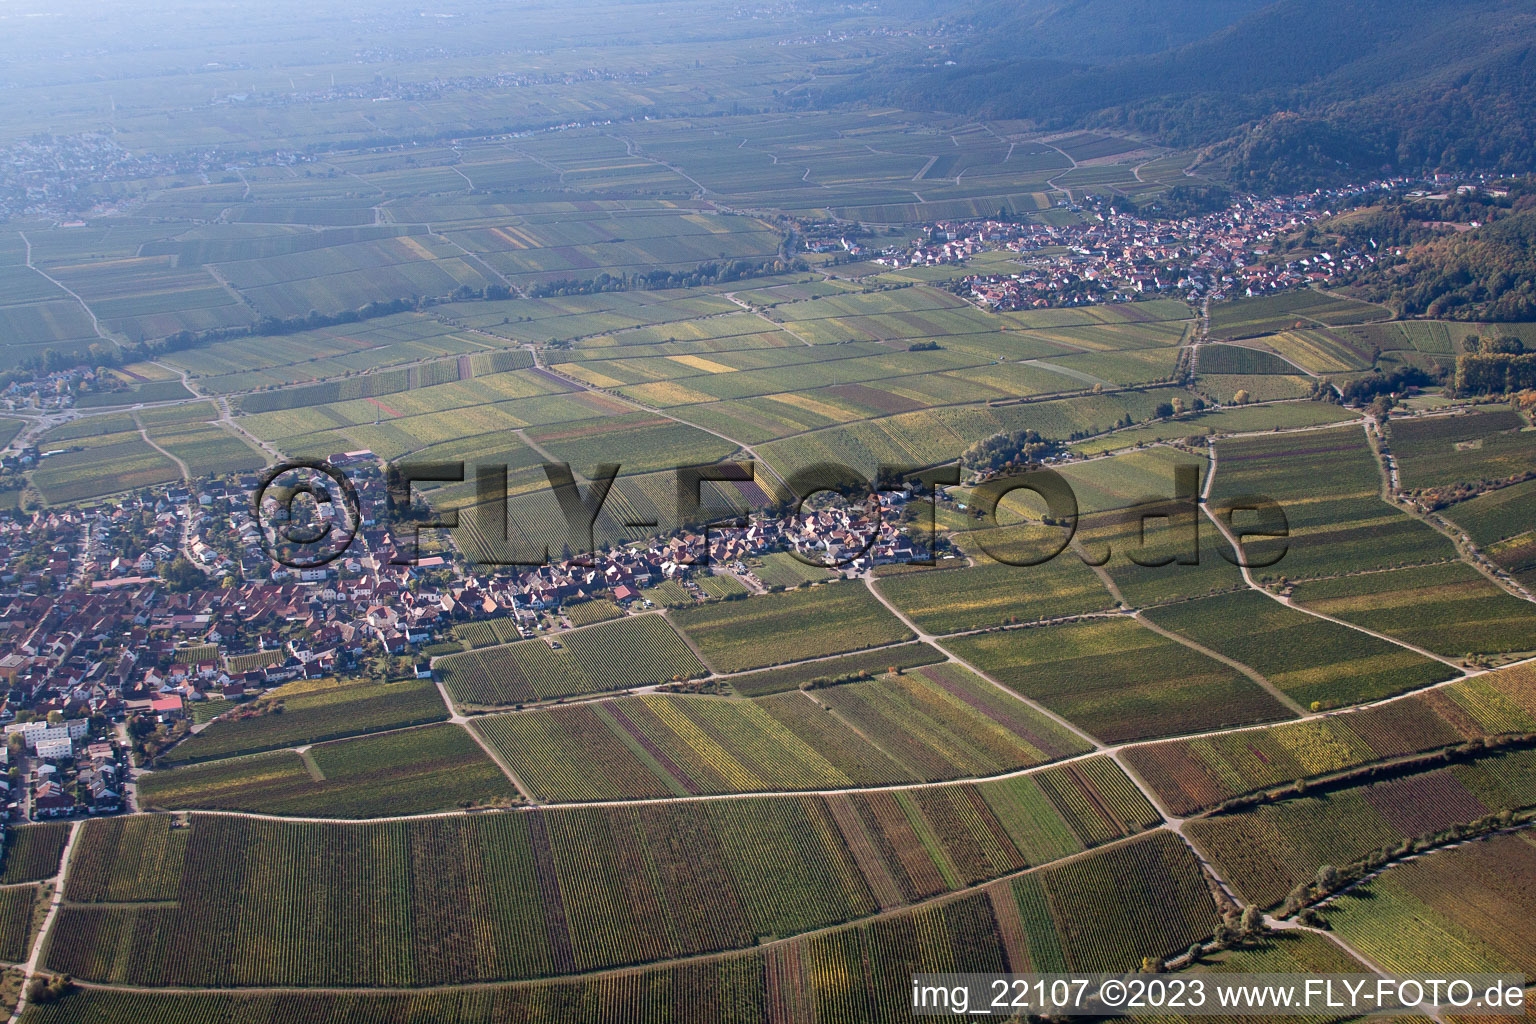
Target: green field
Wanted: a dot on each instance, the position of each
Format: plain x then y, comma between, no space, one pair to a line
734,636
1503,523
1119,680
877,662
17,905
1311,659
761,791
1201,772
657,745
942,721
928,723
1221,421
32,852
1451,609
1440,451
992,594
1239,359
1267,851
846,973
1328,485
564,882
295,715
115,462
1154,880
781,569
638,650
411,771
1247,318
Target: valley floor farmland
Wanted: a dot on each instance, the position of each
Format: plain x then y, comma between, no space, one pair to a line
630,786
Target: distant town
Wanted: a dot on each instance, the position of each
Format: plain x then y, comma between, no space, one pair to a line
1113,255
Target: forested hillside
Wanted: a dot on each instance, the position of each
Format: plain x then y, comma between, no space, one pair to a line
1461,257
1295,93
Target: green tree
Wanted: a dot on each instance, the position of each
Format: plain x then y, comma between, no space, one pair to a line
180,575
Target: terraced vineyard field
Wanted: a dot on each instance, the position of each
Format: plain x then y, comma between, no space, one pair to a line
1280,952
585,613
207,448
942,721
780,569
653,745
1328,484
758,791
126,860
1503,524
1439,451
936,722
1173,570
1161,900
111,463
992,594
845,974
16,909
32,852
487,632
568,881
1220,421
241,663
1239,359
657,744
875,663
1247,318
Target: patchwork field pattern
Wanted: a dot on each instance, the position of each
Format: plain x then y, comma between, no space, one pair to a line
876,662
1468,908
843,974
734,636
581,889
1503,524
1311,659
992,594
1328,485
32,852
312,712
1119,680
1451,609
1192,774
710,803
1442,450
1247,318
935,722
1267,851
638,650
411,771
